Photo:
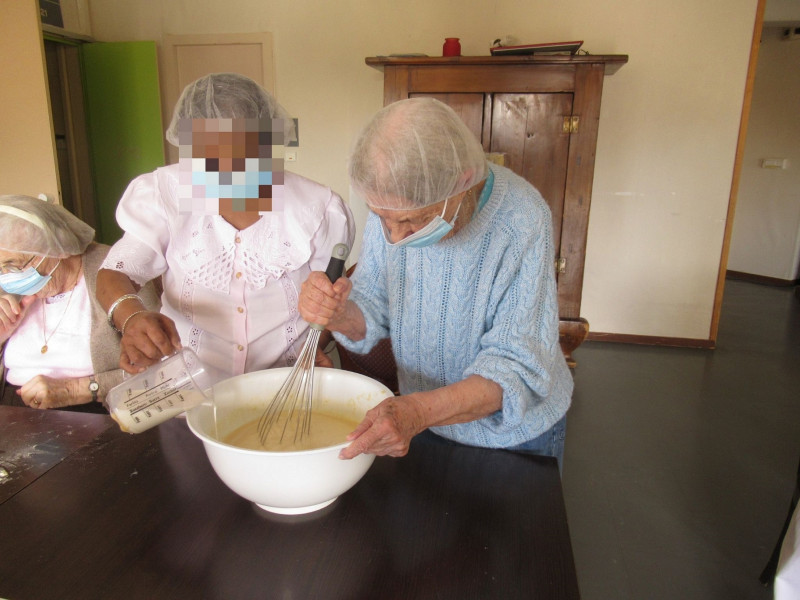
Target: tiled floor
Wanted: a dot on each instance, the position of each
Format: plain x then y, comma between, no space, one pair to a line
680,463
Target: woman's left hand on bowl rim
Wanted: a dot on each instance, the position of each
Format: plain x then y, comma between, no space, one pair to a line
386,429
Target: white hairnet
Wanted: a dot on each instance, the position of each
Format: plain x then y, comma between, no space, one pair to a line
414,153
32,226
227,96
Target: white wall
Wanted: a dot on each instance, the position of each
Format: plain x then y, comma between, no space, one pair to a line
766,232
668,125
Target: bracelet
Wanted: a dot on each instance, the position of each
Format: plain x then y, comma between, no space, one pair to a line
114,306
129,317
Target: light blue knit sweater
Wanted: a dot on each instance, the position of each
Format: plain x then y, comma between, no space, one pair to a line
482,302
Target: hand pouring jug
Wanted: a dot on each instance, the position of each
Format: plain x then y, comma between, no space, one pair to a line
166,389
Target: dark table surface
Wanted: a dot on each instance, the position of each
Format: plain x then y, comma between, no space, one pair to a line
87,511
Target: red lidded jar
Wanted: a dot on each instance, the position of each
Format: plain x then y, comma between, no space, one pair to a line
451,47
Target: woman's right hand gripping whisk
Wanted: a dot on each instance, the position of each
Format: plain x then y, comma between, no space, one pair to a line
388,428
324,303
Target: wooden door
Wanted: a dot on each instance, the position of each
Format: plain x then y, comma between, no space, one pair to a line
528,129
64,82
186,58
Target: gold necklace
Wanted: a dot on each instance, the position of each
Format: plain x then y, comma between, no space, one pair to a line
46,337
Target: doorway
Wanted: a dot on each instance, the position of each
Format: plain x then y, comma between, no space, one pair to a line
106,112
67,108
765,241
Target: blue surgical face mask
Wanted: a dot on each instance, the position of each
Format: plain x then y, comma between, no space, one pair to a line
231,184
428,235
26,282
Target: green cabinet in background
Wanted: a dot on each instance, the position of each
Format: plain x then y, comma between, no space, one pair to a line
123,115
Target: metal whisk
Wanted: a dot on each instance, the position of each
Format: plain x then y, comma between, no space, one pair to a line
291,407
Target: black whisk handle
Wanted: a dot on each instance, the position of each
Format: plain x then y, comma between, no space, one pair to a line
336,264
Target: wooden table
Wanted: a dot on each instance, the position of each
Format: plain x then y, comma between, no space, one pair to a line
90,512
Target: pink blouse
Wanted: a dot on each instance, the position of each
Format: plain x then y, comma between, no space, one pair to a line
231,293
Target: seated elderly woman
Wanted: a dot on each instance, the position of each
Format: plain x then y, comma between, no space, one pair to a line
232,234
456,267
59,350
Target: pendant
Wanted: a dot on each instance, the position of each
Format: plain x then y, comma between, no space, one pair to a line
44,348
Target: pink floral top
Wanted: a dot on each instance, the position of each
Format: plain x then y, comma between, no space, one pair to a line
232,294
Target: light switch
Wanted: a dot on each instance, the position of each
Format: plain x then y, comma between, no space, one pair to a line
773,163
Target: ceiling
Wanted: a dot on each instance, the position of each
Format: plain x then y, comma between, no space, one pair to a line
782,13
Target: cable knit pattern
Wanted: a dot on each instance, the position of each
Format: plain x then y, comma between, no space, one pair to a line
483,302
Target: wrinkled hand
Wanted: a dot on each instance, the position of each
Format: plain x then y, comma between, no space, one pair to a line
148,337
12,309
321,301
386,429
47,392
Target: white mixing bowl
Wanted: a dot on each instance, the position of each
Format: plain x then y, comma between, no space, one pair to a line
285,482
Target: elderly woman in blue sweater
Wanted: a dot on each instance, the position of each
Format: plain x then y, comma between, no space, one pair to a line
457,269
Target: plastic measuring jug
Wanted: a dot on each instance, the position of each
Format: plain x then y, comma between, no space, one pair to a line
166,389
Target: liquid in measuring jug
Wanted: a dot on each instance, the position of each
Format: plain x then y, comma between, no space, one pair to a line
166,389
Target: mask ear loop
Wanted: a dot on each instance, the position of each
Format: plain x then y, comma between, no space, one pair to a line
444,210
455,216
58,264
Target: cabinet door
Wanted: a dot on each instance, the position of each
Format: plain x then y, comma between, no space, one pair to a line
470,107
528,129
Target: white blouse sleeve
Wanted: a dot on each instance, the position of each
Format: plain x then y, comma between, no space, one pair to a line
315,220
142,215
336,228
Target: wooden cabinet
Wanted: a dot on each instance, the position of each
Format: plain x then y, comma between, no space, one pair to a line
539,114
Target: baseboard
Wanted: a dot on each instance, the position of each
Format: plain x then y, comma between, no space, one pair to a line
650,340
762,279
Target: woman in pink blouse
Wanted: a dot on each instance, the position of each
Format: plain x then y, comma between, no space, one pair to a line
232,235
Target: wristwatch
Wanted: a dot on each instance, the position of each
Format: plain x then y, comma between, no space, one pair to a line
93,387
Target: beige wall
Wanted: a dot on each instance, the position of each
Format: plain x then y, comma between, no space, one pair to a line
668,135
27,152
766,232
668,125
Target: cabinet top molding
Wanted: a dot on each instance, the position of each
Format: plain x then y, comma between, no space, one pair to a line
612,62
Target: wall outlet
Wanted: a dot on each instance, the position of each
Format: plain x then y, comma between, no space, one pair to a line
773,163
791,33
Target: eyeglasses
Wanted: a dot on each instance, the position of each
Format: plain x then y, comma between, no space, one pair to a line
9,267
